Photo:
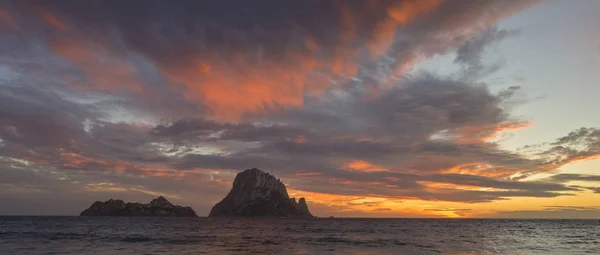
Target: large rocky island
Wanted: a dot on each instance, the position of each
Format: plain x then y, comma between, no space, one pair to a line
158,207
259,194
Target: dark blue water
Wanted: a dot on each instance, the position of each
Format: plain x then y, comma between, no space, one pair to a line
83,235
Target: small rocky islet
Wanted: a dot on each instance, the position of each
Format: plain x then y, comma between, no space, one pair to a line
158,207
254,194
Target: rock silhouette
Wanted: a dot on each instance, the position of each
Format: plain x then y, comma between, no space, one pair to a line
259,194
158,207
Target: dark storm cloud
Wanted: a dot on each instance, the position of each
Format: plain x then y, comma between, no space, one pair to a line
240,161
18,175
38,124
333,148
412,112
483,151
196,26
204,129
451,105
32,117
43,125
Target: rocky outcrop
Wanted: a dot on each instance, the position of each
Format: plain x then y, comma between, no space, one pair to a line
259,194
303,207
158,207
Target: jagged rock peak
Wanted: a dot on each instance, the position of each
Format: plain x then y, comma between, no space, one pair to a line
303,207
259,194
161,201
261,182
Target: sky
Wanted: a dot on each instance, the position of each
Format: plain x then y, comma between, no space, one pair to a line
429,108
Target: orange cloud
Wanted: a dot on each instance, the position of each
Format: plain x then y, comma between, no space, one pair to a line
308,174
232,91
52,20
557,163
482,133
327,204
103,70
113,187
452,212
483,169
35,157
364,166
7,18
400,13
300,139
242,81
76,160
338,203
405,11
383,37
73,160
438,187
49,17
346,55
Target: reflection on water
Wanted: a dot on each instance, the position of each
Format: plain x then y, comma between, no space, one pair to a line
75,235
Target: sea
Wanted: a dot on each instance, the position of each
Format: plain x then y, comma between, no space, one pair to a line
123,235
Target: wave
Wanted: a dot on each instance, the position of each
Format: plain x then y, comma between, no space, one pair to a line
137,239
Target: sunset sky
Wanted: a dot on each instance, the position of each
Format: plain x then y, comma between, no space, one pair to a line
411,108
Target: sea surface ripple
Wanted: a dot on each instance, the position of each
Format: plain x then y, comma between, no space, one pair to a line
122,235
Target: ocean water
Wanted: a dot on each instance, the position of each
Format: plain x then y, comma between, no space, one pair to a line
108,235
